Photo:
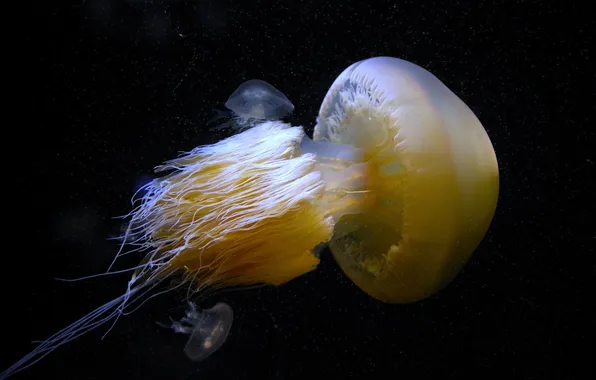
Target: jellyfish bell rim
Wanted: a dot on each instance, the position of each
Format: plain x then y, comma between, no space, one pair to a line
442,144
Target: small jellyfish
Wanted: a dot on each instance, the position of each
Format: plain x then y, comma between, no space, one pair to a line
400,180
208,329
253,102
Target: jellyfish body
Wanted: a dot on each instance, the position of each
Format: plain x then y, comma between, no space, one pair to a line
253,102
400,179
208,329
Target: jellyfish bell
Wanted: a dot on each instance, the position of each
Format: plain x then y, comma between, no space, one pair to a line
207,329
258,99
431,168
253,102
400,179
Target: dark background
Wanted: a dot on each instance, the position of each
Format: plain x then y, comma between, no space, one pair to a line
120,86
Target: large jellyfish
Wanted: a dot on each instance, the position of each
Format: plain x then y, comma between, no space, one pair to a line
254,102
400,180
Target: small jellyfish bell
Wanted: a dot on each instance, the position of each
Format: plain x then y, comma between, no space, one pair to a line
400,180
254,102
208,329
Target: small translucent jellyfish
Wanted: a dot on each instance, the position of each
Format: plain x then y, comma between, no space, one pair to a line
208,329
400,179
253,102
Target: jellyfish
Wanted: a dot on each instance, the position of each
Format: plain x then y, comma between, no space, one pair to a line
208,329
253,102
400,180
